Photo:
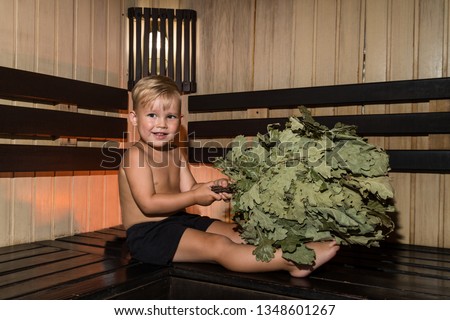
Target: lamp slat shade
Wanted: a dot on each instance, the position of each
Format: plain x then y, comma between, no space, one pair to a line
166,46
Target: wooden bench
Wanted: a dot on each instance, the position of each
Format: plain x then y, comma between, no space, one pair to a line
96,265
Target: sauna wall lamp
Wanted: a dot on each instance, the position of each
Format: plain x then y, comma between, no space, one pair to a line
162,41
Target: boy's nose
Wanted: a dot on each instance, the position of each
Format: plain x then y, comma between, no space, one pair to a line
161,123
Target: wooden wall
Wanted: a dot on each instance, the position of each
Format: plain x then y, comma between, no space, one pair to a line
242,45
288,43
79,39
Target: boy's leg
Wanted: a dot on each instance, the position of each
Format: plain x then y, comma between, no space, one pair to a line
199,246
225,229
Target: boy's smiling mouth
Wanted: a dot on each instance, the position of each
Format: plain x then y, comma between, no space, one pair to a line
160,135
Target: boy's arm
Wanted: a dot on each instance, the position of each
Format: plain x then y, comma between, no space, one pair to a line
140,180
188,182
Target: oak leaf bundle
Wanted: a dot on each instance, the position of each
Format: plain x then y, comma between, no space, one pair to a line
304,183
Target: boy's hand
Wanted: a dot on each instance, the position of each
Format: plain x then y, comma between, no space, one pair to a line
204,196
223,188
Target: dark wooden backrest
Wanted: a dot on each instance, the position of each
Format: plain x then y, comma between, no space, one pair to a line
53,115
394,93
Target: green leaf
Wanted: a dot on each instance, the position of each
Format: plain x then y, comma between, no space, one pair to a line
301,256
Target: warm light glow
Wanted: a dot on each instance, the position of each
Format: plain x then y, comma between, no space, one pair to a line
158,51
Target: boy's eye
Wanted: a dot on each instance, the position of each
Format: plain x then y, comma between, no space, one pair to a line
151,115
172,116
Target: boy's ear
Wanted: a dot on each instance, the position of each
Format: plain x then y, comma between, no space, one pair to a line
133,118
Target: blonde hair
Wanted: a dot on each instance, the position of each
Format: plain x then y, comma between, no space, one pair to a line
150,88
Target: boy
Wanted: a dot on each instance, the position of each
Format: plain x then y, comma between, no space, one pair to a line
156,186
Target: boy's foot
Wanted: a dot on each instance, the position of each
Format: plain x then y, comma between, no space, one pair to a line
325,251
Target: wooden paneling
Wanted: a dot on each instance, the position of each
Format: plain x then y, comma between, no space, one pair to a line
75,39
242,45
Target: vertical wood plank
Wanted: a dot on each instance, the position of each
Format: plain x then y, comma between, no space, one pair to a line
65,38
243,43
401,183
80,201
83,34
325,47
222,46
303,43
43,206
349,48
205,60
431,38
5,208
96,202
427,207
263,55
115,45
45,37
112,206
282,51
7,38
26,42
22,205
7,57
445,198
100,41
62,216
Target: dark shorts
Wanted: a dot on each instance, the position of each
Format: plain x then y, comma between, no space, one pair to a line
157,242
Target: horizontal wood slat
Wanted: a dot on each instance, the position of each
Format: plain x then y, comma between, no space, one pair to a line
28,158
322,96
367,125
41,122
436,161
37,87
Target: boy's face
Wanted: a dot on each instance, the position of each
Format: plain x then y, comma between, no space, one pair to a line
158,123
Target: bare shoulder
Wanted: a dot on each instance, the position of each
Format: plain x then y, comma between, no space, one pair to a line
134,157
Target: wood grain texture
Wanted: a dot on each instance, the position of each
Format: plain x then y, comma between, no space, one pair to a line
242,45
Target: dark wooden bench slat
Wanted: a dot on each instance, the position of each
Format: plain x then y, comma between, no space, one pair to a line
41,122
76,272
408,124
109,284
27,158
403,283
377,285
424,161
19,247
397,265
437,266
24,263
394,250
73,246
104,236
36,87
48,269
26,253
112,245
117,231
387,92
